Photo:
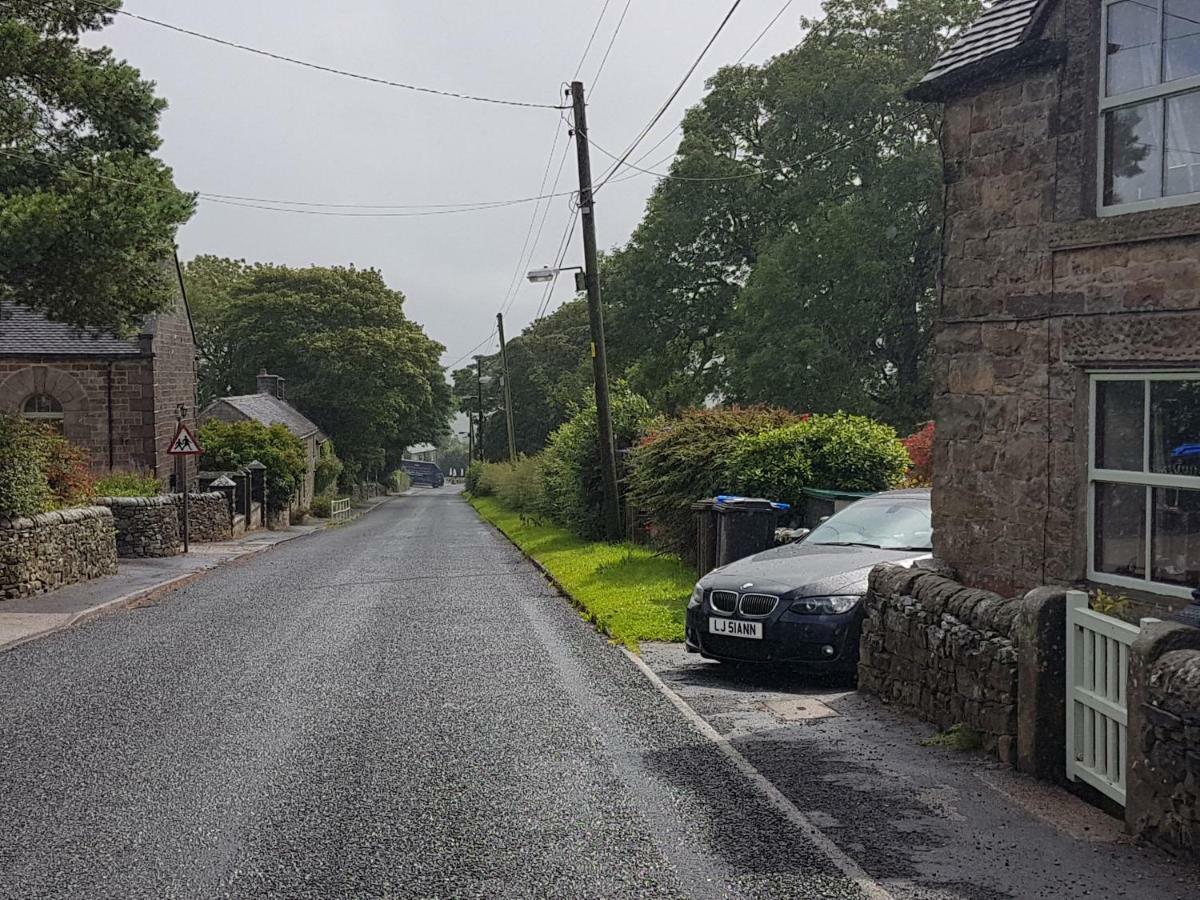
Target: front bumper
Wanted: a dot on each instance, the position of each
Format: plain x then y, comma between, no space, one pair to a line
788,638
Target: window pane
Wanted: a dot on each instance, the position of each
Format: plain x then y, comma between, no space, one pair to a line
1133,153
1175,427
1183,144
1133,45
1176,541
1120,424
1181,24
1120,539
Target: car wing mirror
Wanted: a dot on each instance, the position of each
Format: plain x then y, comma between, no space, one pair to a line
800,534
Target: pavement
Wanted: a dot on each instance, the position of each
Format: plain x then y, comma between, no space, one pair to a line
403,707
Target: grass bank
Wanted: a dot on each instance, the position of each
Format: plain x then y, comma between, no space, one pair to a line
632,593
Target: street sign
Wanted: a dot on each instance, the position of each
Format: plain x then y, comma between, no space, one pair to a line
184,443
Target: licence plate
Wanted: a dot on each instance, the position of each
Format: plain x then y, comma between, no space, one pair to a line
735,628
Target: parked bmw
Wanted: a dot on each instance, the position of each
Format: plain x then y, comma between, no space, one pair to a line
801,604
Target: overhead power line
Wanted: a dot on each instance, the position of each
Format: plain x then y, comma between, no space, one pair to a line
486,340
279,57
671,99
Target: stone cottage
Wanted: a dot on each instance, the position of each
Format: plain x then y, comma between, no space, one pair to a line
270,407
1068,350
115,396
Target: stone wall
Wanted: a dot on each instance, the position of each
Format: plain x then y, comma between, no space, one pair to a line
943,651
1037,290
1163,780
209,516
146,526
50,550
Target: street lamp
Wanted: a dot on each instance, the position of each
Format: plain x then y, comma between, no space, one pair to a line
545,274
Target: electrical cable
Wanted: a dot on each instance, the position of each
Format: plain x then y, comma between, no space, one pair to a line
317,66
486,340
608,50
671,99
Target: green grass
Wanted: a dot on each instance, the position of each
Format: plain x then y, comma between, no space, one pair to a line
956,737
630,592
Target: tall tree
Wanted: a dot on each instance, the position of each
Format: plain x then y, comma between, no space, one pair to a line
791,259
87,215
353,361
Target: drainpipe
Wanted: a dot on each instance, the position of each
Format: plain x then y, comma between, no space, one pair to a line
108,388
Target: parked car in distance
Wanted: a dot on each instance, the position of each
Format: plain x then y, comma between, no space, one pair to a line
801,604
422,472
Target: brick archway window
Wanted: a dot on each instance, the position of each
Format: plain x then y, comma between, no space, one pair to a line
44,409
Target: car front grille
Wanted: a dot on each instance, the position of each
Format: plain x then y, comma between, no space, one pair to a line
724,602
758,605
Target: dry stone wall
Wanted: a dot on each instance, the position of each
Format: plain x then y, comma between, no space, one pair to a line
209,516
146,526
943,651
51,550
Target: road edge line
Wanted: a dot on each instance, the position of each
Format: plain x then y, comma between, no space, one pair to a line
847,866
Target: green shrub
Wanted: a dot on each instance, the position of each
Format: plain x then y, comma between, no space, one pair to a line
400,482
839,451
572,476
488,482
852,453
321,506
128,484
328,469
68,472
685,459
519,485
229,445
24,490
471,481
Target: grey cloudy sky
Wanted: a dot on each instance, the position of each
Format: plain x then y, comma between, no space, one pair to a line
245,125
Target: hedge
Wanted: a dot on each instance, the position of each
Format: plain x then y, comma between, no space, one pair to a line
229,445
41,469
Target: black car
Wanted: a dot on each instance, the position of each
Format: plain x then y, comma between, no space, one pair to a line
422,472
800,604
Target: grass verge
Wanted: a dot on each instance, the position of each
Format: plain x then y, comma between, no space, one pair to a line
630,592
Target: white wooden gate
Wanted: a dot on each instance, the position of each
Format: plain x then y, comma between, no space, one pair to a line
1097,679
339,510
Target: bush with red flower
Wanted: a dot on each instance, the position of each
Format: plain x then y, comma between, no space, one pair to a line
920,451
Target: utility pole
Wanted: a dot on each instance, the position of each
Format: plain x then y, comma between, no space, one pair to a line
508,419
470,438
479,412
587,212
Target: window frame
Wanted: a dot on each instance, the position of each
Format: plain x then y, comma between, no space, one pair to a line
54,416
1161,92
1145,478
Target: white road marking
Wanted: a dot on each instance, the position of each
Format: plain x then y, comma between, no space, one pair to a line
847,866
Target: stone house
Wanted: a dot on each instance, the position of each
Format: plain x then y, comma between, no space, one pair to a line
1068,348
115,396
270,407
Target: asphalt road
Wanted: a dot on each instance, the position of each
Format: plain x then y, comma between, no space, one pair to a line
400,707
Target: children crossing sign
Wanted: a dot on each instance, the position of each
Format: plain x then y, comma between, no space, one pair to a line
184,443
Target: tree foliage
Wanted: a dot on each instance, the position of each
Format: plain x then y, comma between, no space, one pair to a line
804,278
87,215
230,445
353,361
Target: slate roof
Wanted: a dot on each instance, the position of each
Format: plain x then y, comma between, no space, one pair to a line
269,409
24,332
1003,27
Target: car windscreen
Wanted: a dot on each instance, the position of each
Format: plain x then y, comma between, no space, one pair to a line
888,524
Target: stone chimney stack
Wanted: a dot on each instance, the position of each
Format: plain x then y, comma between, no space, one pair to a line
271,384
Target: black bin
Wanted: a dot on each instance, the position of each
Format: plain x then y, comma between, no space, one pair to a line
745,525
706,535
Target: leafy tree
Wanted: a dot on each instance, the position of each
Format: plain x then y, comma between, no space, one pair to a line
210,281
229,445
87,215
354,363
802,273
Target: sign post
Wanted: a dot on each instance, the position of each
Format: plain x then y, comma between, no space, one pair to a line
183,445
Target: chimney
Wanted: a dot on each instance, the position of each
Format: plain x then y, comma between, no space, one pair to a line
270,384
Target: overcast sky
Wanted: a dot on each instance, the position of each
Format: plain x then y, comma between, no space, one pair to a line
246,125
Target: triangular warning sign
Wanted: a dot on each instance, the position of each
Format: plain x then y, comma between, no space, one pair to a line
184,443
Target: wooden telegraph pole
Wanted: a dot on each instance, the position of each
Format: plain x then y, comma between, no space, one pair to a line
479,412
508,418
587,212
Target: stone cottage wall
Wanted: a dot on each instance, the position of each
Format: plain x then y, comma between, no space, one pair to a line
1036,291
146,526
209,514
943,651
50,550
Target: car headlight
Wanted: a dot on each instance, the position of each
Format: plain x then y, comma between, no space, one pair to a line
697,597
824,606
